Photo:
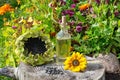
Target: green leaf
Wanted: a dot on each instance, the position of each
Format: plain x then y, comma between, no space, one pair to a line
80,17
118,23
118,7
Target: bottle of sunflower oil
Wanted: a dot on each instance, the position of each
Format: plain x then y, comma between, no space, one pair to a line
63,42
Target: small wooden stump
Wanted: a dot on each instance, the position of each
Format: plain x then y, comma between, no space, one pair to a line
52,71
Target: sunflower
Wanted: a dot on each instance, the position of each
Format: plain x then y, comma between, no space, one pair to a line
76,62
34,48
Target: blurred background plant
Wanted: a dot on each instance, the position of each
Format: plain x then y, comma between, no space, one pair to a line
104,27
94,24
25,15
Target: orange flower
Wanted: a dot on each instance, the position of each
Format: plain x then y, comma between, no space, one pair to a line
1,11
5,8
84,7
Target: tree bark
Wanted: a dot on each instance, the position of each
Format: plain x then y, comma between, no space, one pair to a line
8,71
51,71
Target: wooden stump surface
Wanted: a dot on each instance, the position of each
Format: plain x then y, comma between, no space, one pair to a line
52,71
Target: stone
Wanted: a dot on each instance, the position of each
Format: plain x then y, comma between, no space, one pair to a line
110,62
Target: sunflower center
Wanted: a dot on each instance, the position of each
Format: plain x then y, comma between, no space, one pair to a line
75,63
35,46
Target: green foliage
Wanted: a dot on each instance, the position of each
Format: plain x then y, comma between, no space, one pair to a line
103,36
23,19
12,2
2,57
99,23
30,14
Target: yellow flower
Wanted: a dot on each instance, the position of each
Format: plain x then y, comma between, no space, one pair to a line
18,1
4,19
85,37
76,62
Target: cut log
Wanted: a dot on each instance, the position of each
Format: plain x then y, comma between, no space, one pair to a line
94,71
52,71
8,71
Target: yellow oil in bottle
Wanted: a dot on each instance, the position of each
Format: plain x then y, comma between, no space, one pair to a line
63,49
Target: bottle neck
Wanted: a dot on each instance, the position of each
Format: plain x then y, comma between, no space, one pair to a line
64,29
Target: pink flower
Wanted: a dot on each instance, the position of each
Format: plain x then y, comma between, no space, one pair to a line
14,27
73,5
78,28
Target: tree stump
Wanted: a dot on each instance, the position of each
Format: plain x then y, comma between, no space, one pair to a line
52,71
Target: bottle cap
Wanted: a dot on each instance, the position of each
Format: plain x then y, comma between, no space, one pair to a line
63,21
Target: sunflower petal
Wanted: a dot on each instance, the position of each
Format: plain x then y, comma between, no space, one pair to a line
76,69
76,56
83,67
66,67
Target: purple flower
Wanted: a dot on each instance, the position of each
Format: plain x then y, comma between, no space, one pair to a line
107,1
64,13
78,28
79,24
14,27
71,23
73,5
116,13
75,1
98,1
68,12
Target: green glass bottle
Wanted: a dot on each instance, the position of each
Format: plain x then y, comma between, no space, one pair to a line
63,42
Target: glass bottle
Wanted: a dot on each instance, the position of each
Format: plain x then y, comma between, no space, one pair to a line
63,42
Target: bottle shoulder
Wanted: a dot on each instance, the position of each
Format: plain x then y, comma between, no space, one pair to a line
63,35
